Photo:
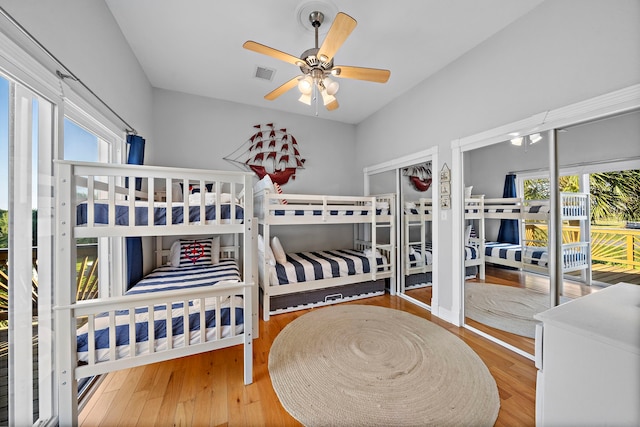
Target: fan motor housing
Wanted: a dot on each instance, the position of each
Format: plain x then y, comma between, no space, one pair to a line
312,62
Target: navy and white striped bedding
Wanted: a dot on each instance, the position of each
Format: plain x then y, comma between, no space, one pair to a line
513,252
415,211
317,265
533,209
101,213
470,252
168,278
334,212
568,210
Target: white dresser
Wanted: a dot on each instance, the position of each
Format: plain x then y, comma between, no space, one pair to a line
588,360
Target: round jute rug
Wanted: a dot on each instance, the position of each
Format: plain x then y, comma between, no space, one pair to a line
355,365
503,307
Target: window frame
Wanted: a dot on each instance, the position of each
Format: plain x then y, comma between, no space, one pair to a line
19,66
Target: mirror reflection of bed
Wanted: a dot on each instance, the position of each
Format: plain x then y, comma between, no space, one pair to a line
521,263
417,231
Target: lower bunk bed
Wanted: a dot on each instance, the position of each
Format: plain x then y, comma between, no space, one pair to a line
418,249
536,258
214,313
301,280
419,268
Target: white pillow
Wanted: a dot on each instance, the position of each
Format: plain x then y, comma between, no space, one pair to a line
215,250
210,198
176,192
467,192
278,252
410,207
267,184
266,251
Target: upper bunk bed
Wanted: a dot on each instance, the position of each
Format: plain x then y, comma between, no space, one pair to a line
174,311
294,281
418,250
532,251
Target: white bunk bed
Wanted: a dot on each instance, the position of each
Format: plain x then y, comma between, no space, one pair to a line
153,313
317,278
418,253
532,254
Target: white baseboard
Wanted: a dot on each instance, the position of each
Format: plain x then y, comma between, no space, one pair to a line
447,315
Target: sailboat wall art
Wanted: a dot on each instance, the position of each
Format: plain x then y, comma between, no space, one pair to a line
269,151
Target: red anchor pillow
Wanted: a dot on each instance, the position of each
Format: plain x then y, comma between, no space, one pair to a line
189,253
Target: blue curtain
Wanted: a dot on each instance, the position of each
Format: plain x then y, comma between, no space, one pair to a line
508,232
134,244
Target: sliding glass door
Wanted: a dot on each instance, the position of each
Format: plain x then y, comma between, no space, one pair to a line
26,209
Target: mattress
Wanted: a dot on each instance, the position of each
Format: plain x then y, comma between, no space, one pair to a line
167,278
514,252
568,210
101,213
318,265
470,252
415,211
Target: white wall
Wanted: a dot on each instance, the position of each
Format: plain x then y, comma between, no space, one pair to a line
562,52
198,132
84,36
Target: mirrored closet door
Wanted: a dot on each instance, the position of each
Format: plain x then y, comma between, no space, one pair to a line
410,179
505,259
416,242
596,168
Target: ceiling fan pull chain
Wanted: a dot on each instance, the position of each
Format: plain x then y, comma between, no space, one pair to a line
315,97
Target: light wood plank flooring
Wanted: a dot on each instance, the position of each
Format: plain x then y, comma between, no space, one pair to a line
208,390
516,278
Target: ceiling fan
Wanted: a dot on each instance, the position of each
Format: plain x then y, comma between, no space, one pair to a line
317,66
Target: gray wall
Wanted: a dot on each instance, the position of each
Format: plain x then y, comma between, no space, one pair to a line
562,52
198,132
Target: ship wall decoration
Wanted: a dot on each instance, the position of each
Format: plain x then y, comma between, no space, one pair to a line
419,176
269,151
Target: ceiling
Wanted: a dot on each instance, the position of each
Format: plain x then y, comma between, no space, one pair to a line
196,46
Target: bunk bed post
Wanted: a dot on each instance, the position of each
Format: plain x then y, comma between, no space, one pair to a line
392,241
250,248
481,236
266,297
65,271
586,237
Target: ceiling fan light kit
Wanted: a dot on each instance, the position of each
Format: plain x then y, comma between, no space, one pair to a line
316,64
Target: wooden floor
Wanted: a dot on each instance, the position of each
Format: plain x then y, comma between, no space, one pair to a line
208,390
516,278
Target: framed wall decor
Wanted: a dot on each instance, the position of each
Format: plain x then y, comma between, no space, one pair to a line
445,174
445,202
445,187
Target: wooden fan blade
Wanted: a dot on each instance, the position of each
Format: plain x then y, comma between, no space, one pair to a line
332,105
360,73
269,51
282,89
342,26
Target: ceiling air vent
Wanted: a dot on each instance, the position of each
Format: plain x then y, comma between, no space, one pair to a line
264,73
